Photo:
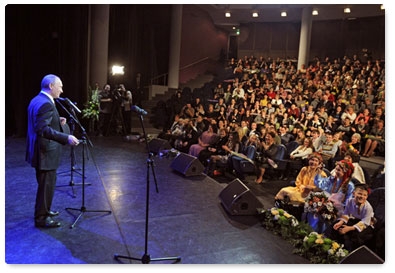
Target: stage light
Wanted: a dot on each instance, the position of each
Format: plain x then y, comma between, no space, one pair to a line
227,14
382,7
117,70
347,10
255,14
283,14
315,12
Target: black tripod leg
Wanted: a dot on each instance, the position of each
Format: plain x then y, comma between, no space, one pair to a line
78,217
146,259
176,259
111,121
118,257
82,211
72,171
151,163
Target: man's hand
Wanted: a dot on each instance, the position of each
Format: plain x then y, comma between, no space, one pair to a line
63,121
73,141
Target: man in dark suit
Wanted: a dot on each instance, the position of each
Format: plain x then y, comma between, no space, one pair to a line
46,135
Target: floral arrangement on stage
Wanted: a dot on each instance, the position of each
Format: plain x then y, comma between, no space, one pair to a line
91,110
318,249
308,244
280,222
319,203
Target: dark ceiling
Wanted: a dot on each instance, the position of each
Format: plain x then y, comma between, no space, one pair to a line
242,13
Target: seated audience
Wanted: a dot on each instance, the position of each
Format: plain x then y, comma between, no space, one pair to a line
304,181
206,139
355,226
268,152
222,154
235,160
375,139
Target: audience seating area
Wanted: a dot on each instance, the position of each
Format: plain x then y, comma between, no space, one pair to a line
343,97
338,105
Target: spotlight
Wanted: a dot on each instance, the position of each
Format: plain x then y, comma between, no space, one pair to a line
315,12
117,70
283,14
255,14
347,10
227,14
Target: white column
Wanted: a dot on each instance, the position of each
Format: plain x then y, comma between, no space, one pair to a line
98,57
305,37
175,47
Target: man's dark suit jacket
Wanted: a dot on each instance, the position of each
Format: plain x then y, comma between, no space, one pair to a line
45,134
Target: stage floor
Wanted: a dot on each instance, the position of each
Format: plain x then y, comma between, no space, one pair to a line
186,218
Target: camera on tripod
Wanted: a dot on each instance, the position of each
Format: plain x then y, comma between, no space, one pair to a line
116,123
117,94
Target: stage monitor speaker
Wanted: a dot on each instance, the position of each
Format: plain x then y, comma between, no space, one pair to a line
156,145
362,255
188,165
238,199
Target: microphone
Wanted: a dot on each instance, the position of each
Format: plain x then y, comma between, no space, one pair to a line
138,110
70,103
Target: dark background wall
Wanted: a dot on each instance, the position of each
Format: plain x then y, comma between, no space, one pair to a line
334,38
42,39
139,40
201,42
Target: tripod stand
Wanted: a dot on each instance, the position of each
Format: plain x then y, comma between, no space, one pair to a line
72,120
83,209
116,114
146,258
84,140
73,168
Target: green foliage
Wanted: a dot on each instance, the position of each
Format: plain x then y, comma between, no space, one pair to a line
308,244
91,110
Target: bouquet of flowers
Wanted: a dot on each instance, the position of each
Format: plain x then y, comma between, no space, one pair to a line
308,243
91,110
319,249
281,223
319,203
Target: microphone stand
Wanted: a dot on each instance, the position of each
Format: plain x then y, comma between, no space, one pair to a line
146,258
72,121
83,209
84,142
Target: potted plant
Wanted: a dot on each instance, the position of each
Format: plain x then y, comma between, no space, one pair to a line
91,110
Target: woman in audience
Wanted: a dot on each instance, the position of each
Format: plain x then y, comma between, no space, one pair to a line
304,181
268,152
365,115
303,151
358,175
235,161
299,134
375,139
206,139
338,186
222,153
330,125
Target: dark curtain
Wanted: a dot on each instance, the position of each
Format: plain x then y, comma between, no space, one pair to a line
39,40
139,40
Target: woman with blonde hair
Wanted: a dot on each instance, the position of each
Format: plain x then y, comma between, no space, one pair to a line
304,181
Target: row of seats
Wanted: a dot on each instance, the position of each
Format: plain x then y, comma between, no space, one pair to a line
246,161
